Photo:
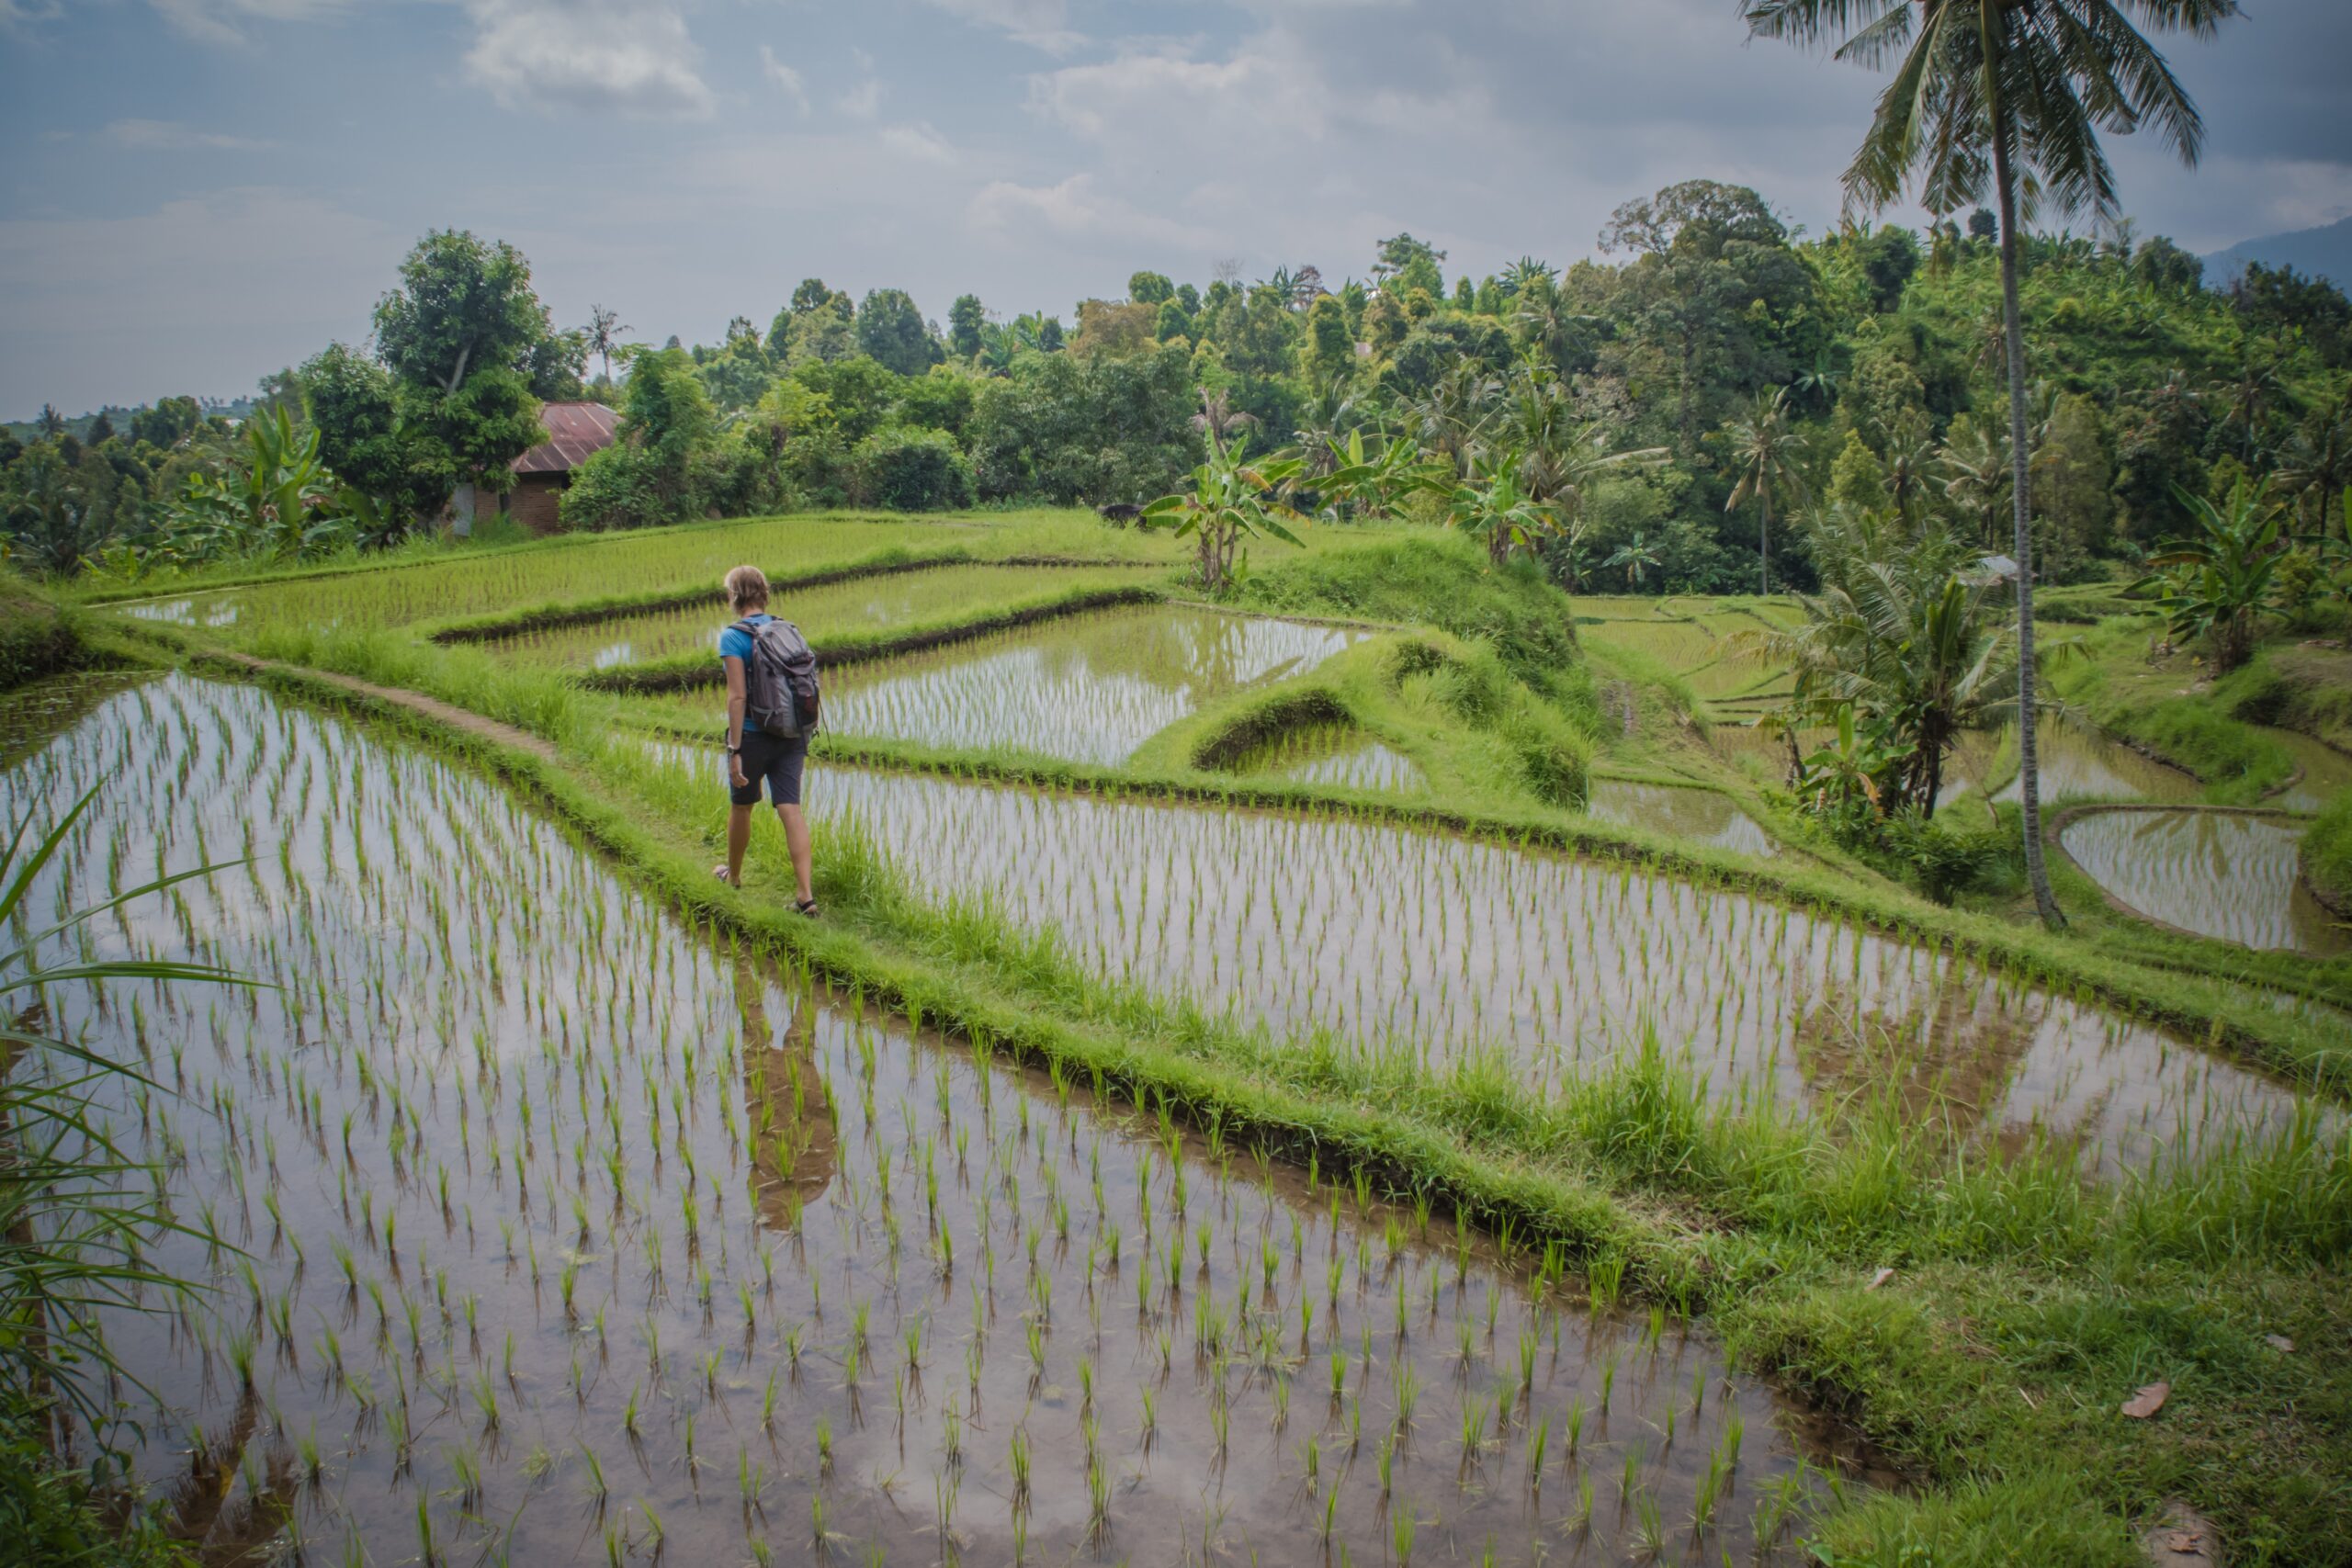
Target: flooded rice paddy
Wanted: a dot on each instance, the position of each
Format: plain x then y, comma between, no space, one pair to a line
539,1226
2217,874
1339,754
1703,815
1404,945
1088,688
2324,772
2075,762
863,605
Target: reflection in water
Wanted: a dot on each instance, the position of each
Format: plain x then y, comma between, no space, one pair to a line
784,1100
2323,771
1091,688
2217,874
1704,816
1337,754
470,1186
2075,764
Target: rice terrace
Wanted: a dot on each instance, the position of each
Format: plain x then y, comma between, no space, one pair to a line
1693,908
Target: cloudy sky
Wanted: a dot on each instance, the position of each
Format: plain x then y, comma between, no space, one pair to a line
200,191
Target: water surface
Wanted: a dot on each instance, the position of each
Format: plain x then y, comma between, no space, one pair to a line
2217,874
577,1235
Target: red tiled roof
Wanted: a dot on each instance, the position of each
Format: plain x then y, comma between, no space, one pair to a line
574,430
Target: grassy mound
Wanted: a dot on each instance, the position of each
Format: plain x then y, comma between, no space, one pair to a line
1429,580
2328,855
37,638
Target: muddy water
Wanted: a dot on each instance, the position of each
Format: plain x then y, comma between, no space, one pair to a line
2325,772
1419,946
1703,815
2216,874
583,1239
1089,688
1335,754
2075,763
864,606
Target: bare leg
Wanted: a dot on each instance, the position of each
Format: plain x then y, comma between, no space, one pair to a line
739,834
796,839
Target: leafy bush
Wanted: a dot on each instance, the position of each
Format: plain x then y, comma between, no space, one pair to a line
1941,859
1445,583
912,470
50,1514
617,488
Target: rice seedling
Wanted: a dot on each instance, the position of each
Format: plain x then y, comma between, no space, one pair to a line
628,1114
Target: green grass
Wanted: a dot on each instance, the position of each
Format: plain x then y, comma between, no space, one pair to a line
38,637
2027,1302
2327,855
2027,1305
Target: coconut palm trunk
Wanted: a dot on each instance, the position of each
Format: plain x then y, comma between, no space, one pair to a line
2021,502
1764,544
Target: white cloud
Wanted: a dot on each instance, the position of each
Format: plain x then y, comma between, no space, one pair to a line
918,141
170,136
225,21
862,101
784,77
1077,210
1042,24
602,56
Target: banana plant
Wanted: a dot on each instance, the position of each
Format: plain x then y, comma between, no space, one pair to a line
1498,510
1378,485
2214,582
1232,499
277,499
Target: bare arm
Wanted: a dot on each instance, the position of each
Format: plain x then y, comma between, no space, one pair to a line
735,701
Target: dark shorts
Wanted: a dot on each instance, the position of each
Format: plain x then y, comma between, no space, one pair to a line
777,761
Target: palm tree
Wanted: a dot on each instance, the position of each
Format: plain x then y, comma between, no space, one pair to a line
1982,88
1977,476
1765,448
605,330
1219,420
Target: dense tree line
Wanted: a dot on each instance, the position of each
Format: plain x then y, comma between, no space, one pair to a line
1759,374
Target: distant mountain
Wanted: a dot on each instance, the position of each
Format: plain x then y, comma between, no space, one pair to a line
2321,252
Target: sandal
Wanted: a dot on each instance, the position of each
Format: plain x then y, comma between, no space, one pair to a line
806,906
720,871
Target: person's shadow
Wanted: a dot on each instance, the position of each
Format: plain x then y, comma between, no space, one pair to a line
791,1121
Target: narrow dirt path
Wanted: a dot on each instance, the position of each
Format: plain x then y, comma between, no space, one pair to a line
400,697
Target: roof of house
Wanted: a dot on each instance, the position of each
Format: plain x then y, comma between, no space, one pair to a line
574,430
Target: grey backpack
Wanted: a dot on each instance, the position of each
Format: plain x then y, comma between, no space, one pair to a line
779,679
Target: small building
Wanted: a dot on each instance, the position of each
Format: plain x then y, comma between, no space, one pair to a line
574,431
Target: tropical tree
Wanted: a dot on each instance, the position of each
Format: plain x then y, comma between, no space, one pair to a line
1378,484
1637,557
1231,501
2009,96
1765,450
2214,582
1496,508
1218,420
605,330
1901,639
278,497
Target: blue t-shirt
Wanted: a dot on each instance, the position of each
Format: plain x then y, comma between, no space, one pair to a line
736,643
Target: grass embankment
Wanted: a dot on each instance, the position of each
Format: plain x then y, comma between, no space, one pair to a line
2026,1306
1479,734
2328,855
2169,704
38,638
2027,1303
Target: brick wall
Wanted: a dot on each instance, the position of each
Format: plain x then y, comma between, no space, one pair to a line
533,501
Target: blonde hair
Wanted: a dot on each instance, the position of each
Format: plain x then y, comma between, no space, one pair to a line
747,588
